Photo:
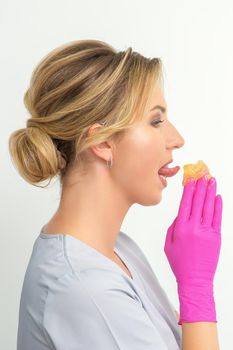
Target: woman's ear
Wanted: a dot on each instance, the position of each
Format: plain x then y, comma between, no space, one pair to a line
104,149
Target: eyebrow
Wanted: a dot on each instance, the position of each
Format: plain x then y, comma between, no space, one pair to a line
163,109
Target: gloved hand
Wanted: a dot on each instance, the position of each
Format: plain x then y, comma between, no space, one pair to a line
192,248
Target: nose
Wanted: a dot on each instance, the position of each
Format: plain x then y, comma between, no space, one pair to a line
176,140
180,143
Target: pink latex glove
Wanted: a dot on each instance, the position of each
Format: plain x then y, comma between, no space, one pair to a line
192,248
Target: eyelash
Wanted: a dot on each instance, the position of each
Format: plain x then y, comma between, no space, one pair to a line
156,122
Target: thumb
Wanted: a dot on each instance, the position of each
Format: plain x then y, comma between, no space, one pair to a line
169,236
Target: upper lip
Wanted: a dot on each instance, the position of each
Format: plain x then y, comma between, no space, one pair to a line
170,161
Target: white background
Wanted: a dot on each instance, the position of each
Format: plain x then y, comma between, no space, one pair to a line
194,40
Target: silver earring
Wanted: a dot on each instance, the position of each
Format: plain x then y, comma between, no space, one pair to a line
109,162
103,122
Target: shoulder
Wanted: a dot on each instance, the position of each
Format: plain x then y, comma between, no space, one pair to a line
86,297
97,313
74,290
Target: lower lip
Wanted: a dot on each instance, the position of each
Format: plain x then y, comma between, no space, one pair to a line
163,180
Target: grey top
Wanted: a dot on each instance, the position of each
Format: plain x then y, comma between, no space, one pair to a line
73,297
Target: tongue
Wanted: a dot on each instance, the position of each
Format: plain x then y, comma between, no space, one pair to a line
169,171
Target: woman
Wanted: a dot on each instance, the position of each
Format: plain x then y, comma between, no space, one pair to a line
88,285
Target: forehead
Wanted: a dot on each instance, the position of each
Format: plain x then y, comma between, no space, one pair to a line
157,98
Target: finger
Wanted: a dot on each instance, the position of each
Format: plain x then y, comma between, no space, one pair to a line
217,218
186,200
199,198
208,209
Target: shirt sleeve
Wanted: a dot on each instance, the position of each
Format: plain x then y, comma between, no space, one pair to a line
97,314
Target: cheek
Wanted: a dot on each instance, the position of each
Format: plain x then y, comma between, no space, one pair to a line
136,160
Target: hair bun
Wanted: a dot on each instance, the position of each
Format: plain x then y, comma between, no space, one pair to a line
35,155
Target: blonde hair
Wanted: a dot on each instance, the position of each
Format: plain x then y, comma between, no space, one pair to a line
73,87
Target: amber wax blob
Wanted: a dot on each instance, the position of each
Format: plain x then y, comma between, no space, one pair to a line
195,171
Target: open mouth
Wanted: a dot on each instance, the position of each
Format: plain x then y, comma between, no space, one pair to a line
165,171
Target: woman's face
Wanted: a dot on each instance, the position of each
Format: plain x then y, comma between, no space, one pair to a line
143,150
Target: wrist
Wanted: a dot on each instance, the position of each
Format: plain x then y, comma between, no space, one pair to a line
196,301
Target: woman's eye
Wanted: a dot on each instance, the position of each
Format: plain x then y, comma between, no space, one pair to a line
156,122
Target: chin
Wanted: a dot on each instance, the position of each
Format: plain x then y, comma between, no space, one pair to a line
149,201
